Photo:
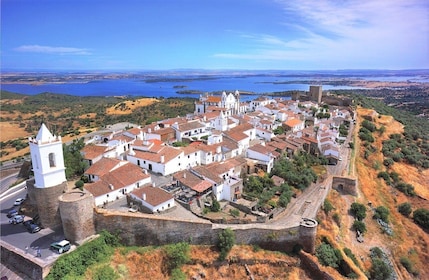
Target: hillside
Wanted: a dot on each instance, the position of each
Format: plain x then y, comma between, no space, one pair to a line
408,239
73,116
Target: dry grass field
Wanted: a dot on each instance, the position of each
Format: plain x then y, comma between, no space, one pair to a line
408,239
127,106
150,265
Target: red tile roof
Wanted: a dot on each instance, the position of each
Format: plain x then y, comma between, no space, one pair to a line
154,196
119,178
103,166
192,181
93,151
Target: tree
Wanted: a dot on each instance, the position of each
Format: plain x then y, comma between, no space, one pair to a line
359,226
328,256
405,209
178,255
381,212
421,217
215,206
226,242
358,210
73,159
327,206
379,270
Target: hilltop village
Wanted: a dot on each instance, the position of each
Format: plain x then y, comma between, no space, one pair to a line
208,152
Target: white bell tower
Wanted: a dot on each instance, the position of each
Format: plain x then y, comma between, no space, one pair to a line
47,158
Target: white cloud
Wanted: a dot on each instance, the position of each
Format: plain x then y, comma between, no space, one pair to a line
52,50
366,33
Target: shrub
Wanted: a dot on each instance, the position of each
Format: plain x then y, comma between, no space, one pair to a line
385,175
352,256
381,212
328,256
79,184
215,206
177,274
337,218
405,188
421,217
327,206
405,209
178,255
358,210
379,270
234,212
359,226
105,272
407,264
75,263
226,241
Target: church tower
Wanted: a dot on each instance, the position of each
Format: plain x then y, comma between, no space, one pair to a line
49,180
47,159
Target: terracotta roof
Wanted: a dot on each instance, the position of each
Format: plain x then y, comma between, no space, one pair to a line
169,153
190,126
134,130
214,99
189,150
123,138
204,171
236,135
280,145
265,150
192,181
242,127
103,166
154,196
119,178
293,122
93,151
162,131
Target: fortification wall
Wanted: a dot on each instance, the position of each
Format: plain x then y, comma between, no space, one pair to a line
47,203
26,264
77,215
345,184
144,230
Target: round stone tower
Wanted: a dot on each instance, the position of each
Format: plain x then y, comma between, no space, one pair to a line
307,234
49,176
77,215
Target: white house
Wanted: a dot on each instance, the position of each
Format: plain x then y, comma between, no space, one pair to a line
153,199
191,129
164,160
117,183
264,155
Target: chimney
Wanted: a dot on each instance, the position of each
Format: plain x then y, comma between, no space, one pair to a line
184,175
111,187
162,159
144,171
144,196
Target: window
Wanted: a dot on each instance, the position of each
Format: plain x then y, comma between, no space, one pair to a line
138,162
189,156
51,160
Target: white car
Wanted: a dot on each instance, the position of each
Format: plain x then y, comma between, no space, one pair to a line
18,202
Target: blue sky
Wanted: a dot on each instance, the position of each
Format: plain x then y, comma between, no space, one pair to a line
214,34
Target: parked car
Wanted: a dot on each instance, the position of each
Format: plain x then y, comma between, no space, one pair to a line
19,201
61,246
31,226
12,213
17,219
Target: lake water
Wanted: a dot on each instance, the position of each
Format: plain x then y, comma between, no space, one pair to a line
259,84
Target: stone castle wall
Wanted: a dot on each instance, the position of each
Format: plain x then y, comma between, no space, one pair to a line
144,230
345,184
46,200
77,215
